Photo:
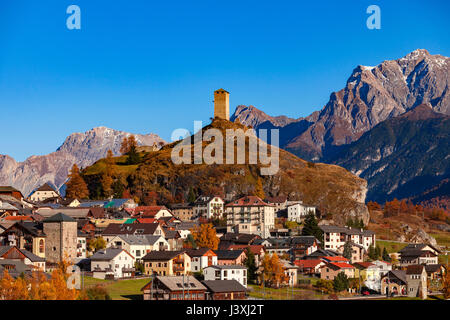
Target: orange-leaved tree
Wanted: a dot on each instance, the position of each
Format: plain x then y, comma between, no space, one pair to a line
272,272
76,186
205,236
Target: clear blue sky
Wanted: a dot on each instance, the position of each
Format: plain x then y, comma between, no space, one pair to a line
151,66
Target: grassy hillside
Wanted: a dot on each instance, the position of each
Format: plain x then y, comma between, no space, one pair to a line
331,188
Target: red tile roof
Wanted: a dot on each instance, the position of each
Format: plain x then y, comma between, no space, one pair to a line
146,220
254,248
147,211
19,218
337,258
342,265
248,201
307,263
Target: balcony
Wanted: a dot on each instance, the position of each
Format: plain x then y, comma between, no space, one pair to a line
177,268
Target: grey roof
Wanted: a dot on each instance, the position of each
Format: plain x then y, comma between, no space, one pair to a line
224,286
306,240
59,217
171,234
106,254
431,268
417,246
7,206
92,203
228,254
32,256
76,213
140,239
399,274
338,229
197,252
130,228
18,267
227,267
175,283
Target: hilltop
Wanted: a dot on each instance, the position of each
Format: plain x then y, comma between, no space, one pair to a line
336,192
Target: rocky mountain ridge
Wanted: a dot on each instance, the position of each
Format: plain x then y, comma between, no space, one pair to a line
80,148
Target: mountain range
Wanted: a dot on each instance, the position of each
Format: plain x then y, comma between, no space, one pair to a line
80,148
389,156
405,157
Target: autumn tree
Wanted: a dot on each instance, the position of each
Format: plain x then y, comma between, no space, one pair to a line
446,284
127,144
272,272
259,190
95,244
205,236
76,186
373,206
107,179
38,286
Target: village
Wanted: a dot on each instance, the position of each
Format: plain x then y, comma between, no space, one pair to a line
209,249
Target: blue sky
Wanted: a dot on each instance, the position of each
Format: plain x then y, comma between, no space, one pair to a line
152,66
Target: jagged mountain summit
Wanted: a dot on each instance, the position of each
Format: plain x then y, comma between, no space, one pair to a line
403,157
371,95
80,148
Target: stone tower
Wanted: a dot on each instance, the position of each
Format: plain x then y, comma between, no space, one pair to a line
222,104
61,232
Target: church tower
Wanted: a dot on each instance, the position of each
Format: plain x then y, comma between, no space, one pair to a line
222,104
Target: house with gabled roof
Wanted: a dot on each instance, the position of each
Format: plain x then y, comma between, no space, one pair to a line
331,269
309,267
394,282
112,263
167,263
27,235
174,288
154,212
226,272
258,251
335,236
230,257
27,257
224,290
418,253
201,258
115,229
42,193
209,207
11,191
250,215
7,209
139,245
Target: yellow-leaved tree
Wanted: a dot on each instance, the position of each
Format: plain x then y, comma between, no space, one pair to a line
205,236
272,273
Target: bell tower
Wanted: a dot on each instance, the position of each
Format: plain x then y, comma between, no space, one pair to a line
222,104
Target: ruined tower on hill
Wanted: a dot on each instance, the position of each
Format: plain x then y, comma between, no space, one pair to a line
222,104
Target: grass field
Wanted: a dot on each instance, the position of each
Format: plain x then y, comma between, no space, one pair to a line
284,294
390,246
119,289
442,238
